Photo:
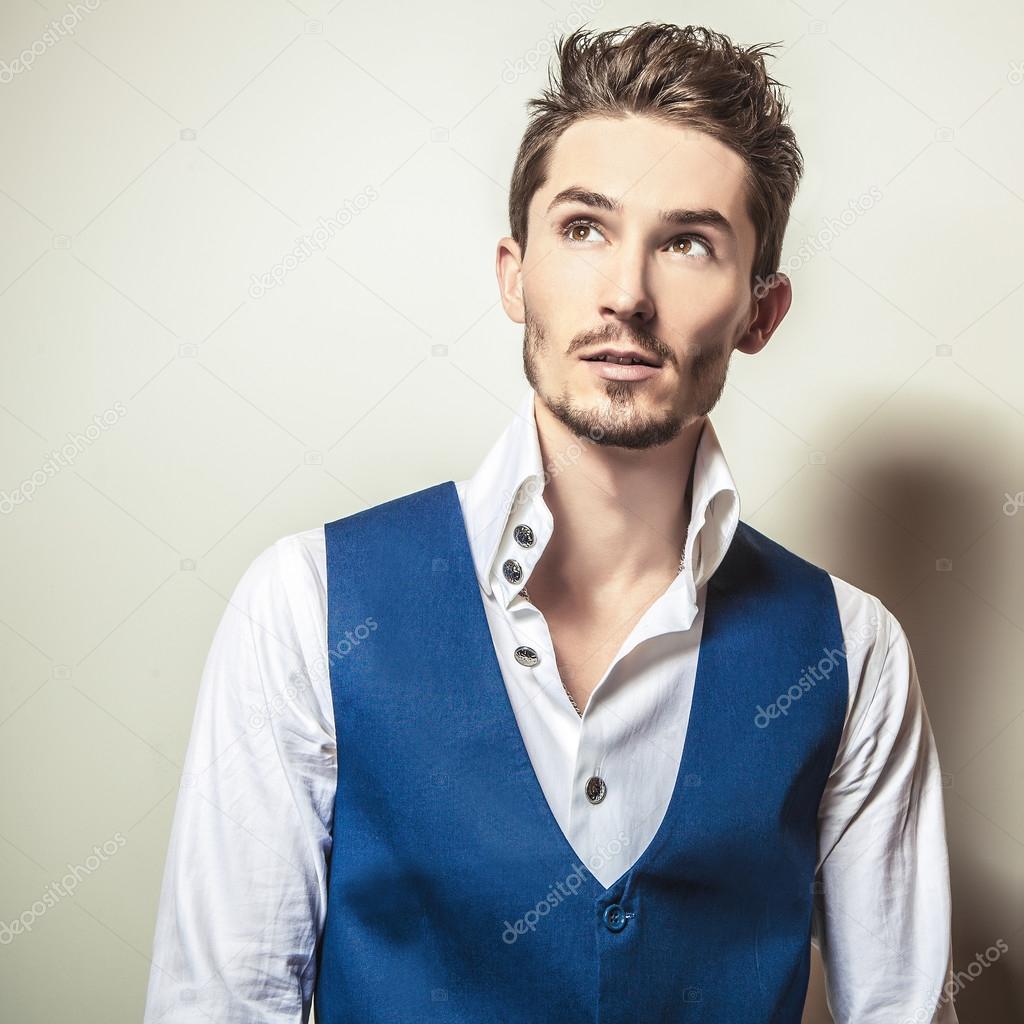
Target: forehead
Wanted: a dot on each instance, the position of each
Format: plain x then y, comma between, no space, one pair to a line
650,166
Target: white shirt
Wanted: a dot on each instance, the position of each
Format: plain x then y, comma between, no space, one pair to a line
244,892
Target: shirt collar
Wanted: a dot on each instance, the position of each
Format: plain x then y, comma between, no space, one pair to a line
507,491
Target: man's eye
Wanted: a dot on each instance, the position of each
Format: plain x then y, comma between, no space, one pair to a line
688,242
581,226
577,232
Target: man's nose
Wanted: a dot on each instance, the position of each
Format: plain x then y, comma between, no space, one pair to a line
624,291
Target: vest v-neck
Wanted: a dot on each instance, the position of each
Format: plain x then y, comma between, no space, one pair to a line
496,693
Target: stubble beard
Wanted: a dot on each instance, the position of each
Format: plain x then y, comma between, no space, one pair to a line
622,423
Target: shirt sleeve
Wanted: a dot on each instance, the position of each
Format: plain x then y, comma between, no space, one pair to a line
882,910
243,898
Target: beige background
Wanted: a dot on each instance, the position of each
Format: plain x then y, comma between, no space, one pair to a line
161,154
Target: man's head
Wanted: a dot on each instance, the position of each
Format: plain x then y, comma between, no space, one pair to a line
653,185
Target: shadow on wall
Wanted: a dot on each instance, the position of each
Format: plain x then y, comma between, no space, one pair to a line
913,507
939,544
940,490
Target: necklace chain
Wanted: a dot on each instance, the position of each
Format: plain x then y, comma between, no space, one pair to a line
525,593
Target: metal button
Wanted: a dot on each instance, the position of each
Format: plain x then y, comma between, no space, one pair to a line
596,789
524,536
513,570
526,656
614,917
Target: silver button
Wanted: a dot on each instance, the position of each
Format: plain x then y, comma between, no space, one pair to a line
513,570
596,789
526,656
524,536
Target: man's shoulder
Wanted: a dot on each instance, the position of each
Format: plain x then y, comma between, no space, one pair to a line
880,666
299,559
866,620
286,570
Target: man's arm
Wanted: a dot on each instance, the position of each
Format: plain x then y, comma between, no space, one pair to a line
244,887
882,919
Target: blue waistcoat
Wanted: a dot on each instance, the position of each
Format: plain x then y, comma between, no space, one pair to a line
453,894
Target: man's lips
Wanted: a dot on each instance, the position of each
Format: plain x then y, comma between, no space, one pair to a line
608,370
618,363
623,356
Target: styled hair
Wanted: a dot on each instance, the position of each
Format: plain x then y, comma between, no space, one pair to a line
688,76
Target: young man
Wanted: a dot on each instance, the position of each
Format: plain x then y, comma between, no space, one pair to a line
568,740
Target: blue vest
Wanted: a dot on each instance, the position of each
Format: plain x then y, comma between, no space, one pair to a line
454,896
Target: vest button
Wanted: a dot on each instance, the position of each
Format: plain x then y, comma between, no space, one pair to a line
523,535
596,789
526,656
614,917
513,570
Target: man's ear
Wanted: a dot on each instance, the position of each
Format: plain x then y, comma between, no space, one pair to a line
508,266
771,302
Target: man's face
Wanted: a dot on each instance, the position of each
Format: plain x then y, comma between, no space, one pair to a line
679,292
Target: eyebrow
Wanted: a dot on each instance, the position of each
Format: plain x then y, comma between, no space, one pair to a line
708,216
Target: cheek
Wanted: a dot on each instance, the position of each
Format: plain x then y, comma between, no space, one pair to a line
569,275
704,308
557,286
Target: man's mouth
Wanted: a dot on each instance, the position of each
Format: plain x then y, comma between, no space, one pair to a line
633,366
623,358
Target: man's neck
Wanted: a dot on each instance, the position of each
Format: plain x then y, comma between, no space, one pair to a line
620,515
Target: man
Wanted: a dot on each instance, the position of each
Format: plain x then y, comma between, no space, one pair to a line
568,740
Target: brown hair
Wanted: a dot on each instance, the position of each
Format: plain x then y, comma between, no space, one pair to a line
688,76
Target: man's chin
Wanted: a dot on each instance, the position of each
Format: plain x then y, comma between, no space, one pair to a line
602,419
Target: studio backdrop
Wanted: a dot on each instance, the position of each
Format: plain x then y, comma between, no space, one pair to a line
247,287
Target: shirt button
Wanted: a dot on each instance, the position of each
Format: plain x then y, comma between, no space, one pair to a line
513,570
526,656
596,789
523,535
614,917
